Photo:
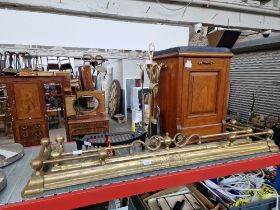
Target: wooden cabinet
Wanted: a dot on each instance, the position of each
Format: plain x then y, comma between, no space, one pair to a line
26,99
193,89
54,103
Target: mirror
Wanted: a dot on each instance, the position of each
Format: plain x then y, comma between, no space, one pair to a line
86,103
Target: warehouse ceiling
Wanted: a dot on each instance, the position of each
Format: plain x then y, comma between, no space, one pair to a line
243,14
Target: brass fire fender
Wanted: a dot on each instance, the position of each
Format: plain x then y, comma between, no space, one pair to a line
56,169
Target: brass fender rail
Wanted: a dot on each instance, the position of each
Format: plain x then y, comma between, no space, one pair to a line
55,169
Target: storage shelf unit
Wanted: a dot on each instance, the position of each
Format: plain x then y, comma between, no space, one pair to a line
123,189
54,102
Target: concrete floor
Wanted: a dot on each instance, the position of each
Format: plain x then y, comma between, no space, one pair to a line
114,127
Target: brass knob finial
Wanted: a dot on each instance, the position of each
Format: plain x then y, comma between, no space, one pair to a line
59,139
270,132
37,165
45,142
167,140
102,153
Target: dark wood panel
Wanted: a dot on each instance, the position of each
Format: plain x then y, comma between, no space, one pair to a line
168,93
86,78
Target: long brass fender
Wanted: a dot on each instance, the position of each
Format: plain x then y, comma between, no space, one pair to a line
56,169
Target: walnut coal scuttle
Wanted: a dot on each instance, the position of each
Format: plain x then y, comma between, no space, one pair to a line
193,89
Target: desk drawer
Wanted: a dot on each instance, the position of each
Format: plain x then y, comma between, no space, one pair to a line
30,133
88,128
84,131
89,125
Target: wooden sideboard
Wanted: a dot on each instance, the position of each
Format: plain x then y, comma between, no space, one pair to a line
194,89
26,100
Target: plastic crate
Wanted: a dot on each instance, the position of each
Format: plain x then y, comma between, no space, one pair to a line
267,204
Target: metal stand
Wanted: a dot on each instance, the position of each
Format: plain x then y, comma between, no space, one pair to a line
3,180
153,70
10,153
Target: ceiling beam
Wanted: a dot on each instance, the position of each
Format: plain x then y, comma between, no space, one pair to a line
218,13
73,52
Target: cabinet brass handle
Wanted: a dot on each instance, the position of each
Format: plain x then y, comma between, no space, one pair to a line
37,134
24,127
37,126
24,134
205,62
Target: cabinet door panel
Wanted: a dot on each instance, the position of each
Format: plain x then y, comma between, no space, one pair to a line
204,91
27,97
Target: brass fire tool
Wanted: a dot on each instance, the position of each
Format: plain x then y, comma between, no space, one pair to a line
57,169
153,71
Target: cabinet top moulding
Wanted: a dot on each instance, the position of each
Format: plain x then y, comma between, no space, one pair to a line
194,51
44,79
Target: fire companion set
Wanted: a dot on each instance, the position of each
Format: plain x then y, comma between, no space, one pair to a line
57,168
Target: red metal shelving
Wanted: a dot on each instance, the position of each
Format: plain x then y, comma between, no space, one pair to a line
109,192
